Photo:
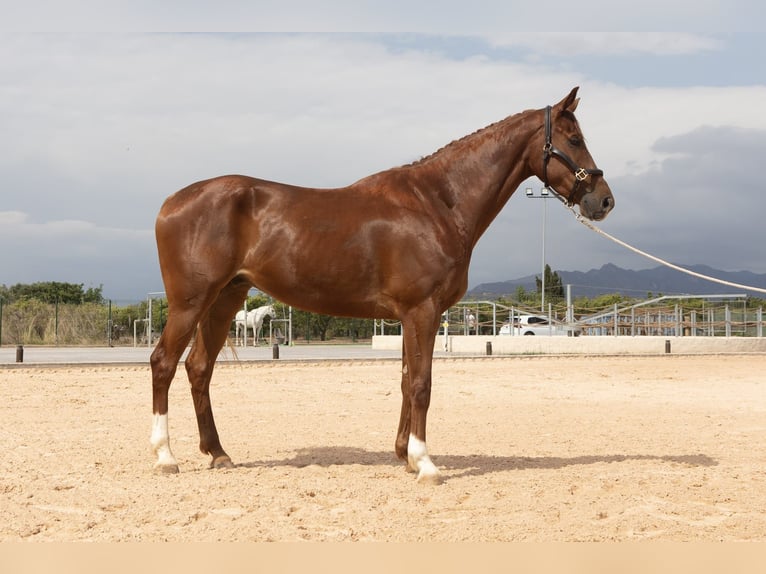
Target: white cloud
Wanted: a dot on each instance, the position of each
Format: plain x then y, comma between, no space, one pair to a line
67,236
75,251
623,124
11,218
609,43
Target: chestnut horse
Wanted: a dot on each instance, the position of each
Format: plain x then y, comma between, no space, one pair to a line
394,245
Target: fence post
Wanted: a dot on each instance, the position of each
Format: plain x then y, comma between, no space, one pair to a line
550,319
109,325
727,318
632,321
694,323
647,323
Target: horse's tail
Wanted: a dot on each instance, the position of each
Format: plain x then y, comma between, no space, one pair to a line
232,348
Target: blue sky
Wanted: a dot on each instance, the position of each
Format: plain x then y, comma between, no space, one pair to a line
98,128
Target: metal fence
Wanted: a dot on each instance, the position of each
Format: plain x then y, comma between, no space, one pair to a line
729,317
675,315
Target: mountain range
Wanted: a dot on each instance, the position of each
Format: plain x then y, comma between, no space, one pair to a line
612,279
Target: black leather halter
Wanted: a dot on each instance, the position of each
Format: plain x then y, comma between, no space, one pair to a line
580,173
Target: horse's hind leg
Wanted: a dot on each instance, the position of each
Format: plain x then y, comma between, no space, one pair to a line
164,361
403,434
211,335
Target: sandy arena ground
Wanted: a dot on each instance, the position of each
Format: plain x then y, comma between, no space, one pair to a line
532,448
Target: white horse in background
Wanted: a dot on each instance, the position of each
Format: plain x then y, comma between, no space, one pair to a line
253,321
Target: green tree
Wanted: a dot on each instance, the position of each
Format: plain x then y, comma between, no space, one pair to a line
53,292
525,298
521,294
586,305
320,324
94,295
554,288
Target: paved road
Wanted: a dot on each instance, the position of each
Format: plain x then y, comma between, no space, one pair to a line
77,355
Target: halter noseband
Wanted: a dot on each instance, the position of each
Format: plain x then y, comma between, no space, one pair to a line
549,150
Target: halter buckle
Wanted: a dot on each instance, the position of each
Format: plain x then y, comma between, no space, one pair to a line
581,174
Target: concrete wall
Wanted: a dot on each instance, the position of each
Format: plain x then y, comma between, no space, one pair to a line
535,345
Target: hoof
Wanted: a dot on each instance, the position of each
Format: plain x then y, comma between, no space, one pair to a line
222,462
428,474
166,468
429,478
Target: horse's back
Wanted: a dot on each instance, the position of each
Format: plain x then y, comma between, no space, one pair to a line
391,188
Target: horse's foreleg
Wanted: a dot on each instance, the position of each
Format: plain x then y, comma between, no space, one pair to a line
164,361
419,337
211,335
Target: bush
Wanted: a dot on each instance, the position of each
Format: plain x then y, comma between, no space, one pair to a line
32,322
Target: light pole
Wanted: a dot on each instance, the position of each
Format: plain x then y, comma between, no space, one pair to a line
544,194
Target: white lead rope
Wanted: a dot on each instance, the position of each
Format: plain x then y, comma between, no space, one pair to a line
589,225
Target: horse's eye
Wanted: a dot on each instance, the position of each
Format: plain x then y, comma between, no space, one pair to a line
575,141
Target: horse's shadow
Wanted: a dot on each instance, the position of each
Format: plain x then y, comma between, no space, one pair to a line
466,465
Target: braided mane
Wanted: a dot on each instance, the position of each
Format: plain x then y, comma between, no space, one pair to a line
458,141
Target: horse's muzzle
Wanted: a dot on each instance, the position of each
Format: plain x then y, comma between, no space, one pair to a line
597,204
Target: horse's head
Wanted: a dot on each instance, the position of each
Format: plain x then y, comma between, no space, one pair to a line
565,164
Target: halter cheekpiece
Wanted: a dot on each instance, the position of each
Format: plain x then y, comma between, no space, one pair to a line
549,150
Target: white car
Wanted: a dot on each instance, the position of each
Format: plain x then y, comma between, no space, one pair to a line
537,325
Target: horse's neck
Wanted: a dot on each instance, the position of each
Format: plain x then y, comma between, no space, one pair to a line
477,174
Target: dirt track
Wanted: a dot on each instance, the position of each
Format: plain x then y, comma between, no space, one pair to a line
546,449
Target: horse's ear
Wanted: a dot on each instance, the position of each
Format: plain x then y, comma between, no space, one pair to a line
570,102
573,107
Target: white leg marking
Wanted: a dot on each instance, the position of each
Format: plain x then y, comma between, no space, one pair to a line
161,444
419,461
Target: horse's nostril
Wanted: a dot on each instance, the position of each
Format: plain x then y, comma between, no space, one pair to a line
607,203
